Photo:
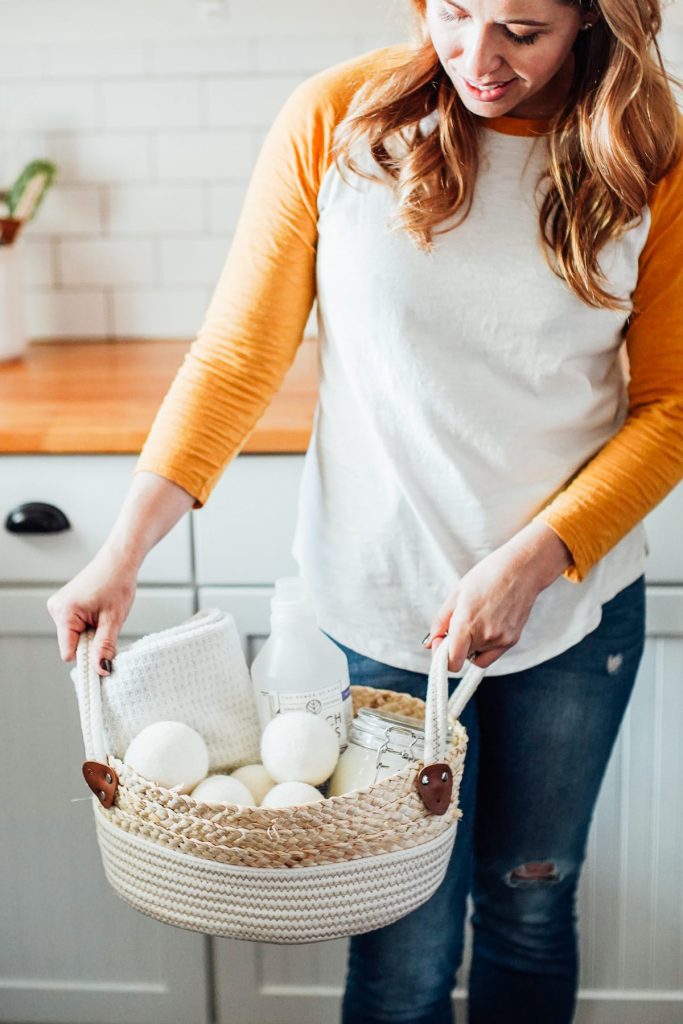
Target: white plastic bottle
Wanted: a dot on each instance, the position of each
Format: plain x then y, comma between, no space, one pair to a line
299,668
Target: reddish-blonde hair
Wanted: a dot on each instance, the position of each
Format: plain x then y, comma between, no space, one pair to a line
617,134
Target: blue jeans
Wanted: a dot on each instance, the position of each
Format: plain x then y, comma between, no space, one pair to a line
539,745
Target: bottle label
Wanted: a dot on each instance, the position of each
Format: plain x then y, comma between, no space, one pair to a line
326,702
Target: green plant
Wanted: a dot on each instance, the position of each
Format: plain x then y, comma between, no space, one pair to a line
31,186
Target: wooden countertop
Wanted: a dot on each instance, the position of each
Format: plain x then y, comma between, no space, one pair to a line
101,396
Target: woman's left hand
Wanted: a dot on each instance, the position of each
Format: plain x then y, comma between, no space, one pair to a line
488,608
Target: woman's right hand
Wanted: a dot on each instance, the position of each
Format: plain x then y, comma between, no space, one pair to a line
99,597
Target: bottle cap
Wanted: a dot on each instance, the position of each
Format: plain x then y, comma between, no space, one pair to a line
292,601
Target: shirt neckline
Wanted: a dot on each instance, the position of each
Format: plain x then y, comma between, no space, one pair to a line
526,126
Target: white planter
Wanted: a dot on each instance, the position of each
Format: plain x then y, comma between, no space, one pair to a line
13,341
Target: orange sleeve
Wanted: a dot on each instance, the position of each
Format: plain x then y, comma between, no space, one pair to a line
257,315
637,467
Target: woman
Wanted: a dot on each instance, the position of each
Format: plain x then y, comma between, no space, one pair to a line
502,210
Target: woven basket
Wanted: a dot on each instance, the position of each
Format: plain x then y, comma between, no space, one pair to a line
336,867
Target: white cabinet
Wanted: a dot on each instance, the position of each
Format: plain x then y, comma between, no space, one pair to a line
70,949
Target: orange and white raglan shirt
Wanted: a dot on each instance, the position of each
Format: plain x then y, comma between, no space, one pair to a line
462,392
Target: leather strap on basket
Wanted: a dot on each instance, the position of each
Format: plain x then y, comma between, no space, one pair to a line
99,776
102,780
435,779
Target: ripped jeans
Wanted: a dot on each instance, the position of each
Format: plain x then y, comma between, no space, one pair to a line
539,745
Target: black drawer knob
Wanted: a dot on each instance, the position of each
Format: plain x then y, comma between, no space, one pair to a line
36,517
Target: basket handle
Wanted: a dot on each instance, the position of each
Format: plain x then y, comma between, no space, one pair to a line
434,780
88,691
439,707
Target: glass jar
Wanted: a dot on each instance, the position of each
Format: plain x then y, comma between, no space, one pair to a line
380,744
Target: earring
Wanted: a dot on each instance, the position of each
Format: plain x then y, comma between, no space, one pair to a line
587,24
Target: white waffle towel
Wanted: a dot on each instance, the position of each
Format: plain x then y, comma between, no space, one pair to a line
194,673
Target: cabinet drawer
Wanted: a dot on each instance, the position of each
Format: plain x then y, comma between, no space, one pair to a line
664,530
89,490
244,533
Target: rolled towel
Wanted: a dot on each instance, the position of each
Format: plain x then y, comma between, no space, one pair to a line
194,673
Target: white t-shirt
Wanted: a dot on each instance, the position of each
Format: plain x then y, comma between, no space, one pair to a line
459,389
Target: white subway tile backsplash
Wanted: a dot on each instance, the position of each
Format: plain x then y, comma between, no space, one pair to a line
98,157
222,57
57,106
225,205
203,156
37,261
389,35
66,314
332,19
73,60
87,21
672,15
247,101
158,312
21,61
83,21
158,209
303,54
189,261
149,104
16,150
259,139
69,210
106,261
155,208
671,46
154,115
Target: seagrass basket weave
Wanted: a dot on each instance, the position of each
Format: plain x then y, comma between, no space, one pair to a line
312,872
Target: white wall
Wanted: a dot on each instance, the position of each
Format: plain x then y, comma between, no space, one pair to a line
154,111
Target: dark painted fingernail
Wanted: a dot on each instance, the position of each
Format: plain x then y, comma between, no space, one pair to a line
426,638
106,665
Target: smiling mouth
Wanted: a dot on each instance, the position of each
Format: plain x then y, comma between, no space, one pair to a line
488,85
488,94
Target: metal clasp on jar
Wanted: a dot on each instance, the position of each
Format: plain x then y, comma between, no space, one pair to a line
407,754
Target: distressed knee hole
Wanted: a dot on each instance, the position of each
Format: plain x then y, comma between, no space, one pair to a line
614,663
533,871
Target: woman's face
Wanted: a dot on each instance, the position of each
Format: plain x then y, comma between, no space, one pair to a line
481,42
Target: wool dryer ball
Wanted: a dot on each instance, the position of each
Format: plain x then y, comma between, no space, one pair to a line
298,746
290,794
219,790
255,778
169,754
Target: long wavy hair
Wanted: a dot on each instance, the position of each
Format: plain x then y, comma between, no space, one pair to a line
616,135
